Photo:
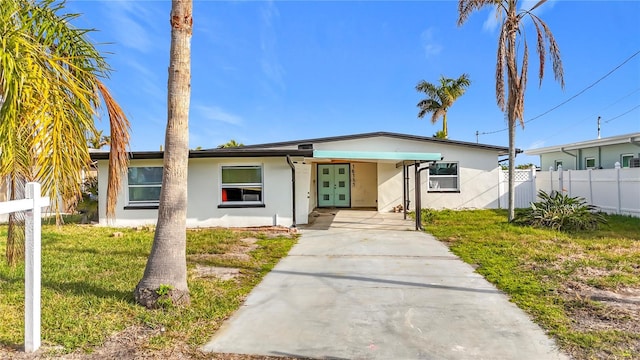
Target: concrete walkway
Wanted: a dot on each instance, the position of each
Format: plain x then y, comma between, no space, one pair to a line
365,287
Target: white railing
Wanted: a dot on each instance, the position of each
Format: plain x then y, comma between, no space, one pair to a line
32,206
615,191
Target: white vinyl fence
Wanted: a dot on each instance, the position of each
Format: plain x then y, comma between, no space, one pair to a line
32,205
525,188
615,191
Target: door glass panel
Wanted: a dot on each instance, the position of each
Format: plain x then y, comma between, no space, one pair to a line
325,197
341,184
325,184
341,171
325,171
341,197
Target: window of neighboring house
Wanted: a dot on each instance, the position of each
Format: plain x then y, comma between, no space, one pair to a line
626,160
444,176
590,163
242,186
557,164
144,185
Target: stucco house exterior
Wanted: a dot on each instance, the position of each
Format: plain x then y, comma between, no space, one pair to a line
592,154
282,183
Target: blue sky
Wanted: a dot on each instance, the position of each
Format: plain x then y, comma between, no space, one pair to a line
265,71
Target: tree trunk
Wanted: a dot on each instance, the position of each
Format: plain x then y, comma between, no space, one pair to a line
445,128
167,266
514,93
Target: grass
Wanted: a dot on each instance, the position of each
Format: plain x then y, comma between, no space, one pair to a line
552,275
88,277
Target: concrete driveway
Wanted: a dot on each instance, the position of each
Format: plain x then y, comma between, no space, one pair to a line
362,285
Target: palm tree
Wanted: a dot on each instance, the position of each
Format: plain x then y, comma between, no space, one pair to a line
230,144
440,98
167,264
50,89
97,140
513,26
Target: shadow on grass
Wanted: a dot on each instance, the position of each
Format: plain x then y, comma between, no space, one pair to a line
85,288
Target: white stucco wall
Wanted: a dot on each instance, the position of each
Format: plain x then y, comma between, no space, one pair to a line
479,173
204,193
364,184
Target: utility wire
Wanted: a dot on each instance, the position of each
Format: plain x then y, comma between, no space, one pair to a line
624,113
569,99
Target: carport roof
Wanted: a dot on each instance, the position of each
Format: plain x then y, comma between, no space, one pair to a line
376,155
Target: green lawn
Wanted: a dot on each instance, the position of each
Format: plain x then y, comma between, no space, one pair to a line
582,287
88,276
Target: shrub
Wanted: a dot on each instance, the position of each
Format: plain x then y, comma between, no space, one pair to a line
561,212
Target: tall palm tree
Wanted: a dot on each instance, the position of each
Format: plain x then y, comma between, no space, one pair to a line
51,86
511,29
167,263
440,98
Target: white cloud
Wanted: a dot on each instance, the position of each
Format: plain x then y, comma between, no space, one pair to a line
216,113
429,44
536,144
493,20
134,24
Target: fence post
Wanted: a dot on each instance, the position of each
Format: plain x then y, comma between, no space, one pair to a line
551,178
617,167
560,179
590,188
33,229
534,186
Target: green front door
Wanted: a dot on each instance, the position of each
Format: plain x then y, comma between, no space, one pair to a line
333,185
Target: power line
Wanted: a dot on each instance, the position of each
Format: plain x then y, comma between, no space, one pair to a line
624,113
569,99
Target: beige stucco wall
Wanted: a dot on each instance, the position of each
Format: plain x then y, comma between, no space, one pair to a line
364,184
204,196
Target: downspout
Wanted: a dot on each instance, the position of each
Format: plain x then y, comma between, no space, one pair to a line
570,154
293,190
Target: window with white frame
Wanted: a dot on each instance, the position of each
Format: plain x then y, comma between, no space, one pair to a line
144,185
558,164
625,160
242,185
444,176
590,163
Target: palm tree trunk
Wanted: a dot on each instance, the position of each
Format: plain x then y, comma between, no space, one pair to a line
167,264
445,128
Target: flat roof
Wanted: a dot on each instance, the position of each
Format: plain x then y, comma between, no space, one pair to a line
503,150
611,140
376,155
212,153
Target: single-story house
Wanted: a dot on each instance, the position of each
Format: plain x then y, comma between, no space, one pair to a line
282,183
592,154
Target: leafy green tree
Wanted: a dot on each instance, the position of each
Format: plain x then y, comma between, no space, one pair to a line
230,144
51,86
439,99
165,276
97,140
511,30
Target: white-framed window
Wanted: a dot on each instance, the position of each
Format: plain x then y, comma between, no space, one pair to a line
625,160
144,185
444,176
557,164
241,185
589,163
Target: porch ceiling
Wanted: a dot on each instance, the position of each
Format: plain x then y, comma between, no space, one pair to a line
376,155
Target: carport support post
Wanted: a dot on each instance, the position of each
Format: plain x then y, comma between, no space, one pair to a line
417,193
